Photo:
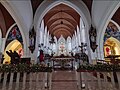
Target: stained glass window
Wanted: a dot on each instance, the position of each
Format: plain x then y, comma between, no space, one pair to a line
112,31
15,34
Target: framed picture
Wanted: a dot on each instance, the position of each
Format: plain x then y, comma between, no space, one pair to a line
107,50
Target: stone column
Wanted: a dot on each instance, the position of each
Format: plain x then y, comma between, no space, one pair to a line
3,44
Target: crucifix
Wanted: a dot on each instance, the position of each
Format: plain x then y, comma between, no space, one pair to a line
82,47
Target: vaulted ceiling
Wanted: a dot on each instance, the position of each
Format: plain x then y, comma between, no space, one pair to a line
62,20
5,20
116,16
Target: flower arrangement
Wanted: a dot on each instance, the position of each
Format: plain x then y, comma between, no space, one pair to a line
99,67
24,68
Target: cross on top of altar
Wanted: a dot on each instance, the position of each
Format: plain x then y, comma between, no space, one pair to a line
82,47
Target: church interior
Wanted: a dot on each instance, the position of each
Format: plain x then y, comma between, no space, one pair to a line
59,44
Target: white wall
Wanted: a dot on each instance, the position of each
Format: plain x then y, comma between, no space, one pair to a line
101,18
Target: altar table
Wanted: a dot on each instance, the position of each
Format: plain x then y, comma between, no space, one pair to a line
63,61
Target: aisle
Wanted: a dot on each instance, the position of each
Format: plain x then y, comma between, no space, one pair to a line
64,80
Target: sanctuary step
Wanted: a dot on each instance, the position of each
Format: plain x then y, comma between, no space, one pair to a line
64,80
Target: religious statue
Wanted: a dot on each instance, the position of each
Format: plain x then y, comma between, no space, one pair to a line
92,37
32,39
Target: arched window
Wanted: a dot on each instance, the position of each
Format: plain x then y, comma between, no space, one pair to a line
69,44
112,31
45,36
54,47
41,32
82,31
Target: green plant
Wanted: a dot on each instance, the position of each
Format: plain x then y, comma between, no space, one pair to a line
24,68
99,67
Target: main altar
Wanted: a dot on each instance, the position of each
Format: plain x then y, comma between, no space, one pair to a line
62,57
62,62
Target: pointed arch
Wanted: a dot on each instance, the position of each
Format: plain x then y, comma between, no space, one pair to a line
102,28
22,37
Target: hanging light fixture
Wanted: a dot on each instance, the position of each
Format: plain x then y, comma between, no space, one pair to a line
61,22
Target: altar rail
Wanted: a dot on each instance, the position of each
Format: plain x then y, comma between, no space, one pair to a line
25,77
95,80
25,81
37,80
43,80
